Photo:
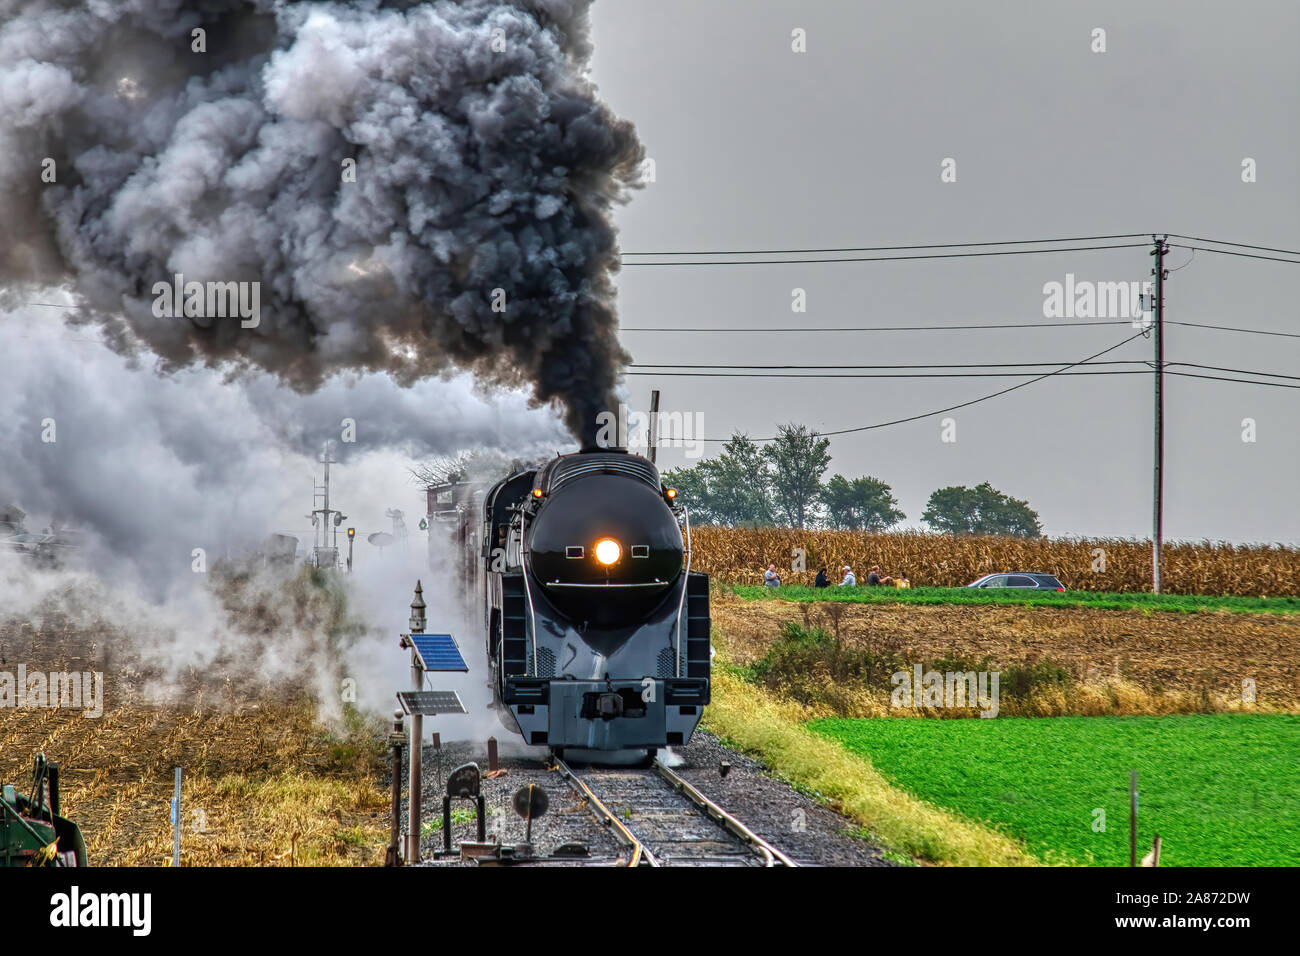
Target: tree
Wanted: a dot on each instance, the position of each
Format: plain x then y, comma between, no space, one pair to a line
980,510
443,470
692,491
731,489
863,504
799,459
740,484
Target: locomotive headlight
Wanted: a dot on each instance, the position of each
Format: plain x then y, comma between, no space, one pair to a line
608,551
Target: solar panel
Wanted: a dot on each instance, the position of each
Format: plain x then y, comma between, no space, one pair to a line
438,652
430,702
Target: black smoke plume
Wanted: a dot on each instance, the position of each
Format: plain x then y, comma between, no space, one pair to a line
485,166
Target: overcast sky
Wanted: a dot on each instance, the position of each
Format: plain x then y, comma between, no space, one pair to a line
758,147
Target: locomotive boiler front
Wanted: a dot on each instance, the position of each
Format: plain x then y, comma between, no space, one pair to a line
605,547
598,630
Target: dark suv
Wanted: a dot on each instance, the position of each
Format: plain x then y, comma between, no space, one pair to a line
1032,580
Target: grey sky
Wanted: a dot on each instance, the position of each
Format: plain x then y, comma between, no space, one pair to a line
758,147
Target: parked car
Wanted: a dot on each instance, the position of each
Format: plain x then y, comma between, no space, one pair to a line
1030,580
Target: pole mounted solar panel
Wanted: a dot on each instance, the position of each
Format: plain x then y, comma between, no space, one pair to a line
429,703
438,652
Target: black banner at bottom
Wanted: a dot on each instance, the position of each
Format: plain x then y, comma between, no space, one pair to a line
382,907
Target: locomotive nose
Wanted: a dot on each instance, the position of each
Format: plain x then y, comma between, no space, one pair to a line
604,537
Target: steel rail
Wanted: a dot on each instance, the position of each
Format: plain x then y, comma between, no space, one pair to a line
640,854
771,855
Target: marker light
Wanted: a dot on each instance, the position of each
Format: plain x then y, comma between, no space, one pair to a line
671,493
608,551
537,492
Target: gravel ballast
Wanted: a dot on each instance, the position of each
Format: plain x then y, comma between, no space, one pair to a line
795,823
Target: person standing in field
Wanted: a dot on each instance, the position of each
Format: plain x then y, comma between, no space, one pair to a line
771,578
849,580
875,580
822,580
901,581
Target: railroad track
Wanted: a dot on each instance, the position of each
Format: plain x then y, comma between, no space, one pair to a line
661,820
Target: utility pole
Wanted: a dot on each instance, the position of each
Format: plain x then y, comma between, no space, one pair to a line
415,781
1157,534
323,555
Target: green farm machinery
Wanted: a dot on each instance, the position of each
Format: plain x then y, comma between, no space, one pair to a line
31,831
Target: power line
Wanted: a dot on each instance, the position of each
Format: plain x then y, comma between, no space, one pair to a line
936,245
950,328
1241,381
821,375
926,365
956,245
1226,252
888,328
1230,328
1239,245
951,408
756,371
942,255
826,377
1238,371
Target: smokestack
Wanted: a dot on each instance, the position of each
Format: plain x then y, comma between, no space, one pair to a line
654,423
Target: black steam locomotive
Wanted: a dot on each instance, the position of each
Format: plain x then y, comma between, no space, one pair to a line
597,629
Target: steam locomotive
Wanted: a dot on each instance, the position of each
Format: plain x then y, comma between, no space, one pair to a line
597,629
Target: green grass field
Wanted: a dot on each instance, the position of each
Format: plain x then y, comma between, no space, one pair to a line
1220,789
1186,603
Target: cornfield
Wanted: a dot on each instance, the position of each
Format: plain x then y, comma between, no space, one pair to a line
264,784
740,555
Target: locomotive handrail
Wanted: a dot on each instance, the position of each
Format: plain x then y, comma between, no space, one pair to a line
528,592
686,584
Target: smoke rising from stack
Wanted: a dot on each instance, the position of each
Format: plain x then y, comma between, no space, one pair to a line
477,233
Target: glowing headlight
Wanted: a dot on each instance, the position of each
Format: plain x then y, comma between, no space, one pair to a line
608,551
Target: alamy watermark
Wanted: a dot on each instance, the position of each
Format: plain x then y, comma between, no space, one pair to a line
631,429
79,690
212,300
946,689
1084,299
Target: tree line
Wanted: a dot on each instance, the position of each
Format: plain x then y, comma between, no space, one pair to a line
782,484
